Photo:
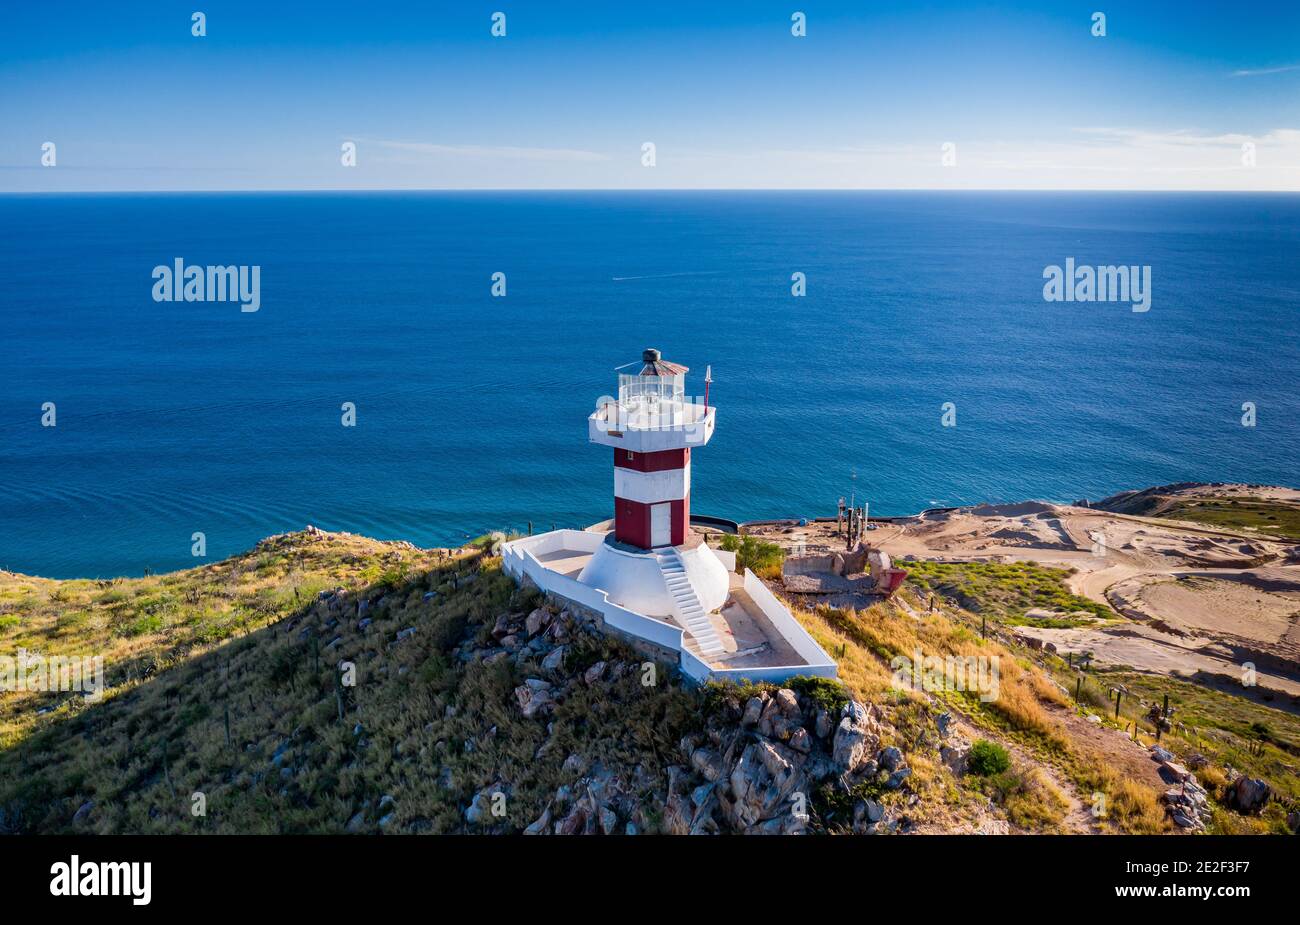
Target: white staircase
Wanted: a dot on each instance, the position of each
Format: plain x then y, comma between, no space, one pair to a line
689,611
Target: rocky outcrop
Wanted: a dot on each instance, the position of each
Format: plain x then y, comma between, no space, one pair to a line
1187,802
776,762
756,771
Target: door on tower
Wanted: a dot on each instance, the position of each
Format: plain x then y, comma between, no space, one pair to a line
661,524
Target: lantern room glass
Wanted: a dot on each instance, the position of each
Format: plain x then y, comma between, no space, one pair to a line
650,393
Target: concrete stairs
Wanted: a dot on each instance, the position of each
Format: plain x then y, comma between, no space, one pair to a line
689,610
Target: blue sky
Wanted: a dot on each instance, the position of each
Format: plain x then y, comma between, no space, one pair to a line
1027,95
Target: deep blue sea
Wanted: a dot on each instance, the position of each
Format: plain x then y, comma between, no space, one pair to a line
181,417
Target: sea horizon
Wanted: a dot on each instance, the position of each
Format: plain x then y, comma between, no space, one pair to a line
176,418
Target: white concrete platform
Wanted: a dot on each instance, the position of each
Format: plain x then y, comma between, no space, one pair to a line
746,633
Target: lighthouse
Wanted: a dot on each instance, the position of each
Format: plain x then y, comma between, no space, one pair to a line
652,429
645,575
651,561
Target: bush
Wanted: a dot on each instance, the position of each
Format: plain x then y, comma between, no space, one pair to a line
828,694
761,557
987,758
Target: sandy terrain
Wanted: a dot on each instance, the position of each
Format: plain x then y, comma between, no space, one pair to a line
1195,598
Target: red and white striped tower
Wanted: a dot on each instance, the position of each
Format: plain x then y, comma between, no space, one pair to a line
652,428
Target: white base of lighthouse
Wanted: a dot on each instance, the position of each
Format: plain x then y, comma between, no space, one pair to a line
659,582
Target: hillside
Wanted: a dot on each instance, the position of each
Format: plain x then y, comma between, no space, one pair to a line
1259,509
331,683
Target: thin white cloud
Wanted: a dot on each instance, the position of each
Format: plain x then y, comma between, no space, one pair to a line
1259,72
1138,138
1082,158
499,152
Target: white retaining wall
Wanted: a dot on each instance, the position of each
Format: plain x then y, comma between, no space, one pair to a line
519,558
819,663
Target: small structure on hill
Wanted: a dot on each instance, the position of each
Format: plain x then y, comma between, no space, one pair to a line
863,570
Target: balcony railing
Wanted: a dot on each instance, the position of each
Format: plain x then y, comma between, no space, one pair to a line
622,417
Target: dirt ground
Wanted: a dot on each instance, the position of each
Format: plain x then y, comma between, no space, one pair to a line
1195,598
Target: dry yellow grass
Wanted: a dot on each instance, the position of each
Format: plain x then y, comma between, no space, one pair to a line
141,627
864,642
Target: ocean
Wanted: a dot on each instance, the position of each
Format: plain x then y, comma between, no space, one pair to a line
172,418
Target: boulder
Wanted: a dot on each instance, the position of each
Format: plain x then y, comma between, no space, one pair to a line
891,759
954,754
771,716
708,762
537,621
784,824
677,812
575,822
943,722
823,724
541,823
866,812
819,767
787,703
1249,794
761,782
594,673
753,712
554,660
896,779
533,700
479,811
856,739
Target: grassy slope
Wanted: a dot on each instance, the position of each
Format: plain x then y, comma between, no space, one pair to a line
142,753
419,726
1267,517
864,642
1240,512
1213,723
143,626
1226,728
1007,591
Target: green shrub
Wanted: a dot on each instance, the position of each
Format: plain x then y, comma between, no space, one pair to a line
759,556
828,694
987,758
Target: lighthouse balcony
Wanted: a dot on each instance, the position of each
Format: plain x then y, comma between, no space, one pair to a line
645,427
